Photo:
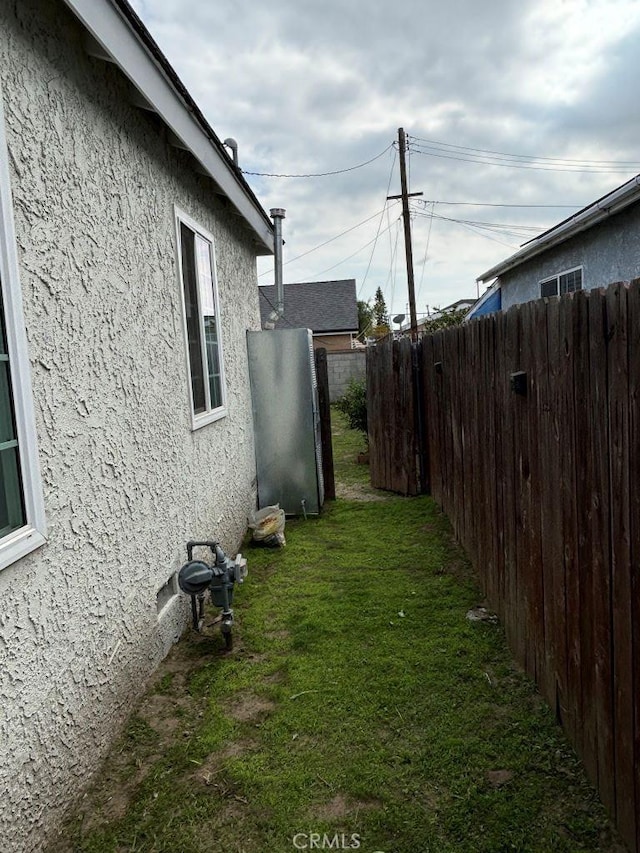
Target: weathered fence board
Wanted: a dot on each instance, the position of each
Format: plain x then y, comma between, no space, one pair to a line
543,490
392,418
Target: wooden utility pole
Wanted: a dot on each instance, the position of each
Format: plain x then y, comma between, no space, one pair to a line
404,195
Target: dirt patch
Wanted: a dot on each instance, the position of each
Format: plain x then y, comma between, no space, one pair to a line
498,778
278,635
341,806
356,492
214,764
249,707
167,714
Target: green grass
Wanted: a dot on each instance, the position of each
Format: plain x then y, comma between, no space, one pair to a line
352,479
337,714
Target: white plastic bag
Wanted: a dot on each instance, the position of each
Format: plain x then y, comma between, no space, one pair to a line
267,525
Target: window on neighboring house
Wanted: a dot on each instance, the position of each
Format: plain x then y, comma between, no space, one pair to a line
564,282
202,322
22,520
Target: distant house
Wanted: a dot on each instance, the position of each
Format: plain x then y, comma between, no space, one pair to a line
128,243
424,321
593,248
328,308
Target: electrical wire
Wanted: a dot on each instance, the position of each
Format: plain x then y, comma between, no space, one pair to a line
322,174
426,249
393,267
482,234
348,258
425,202
280,317
495,161
561,160
375,241
326,242
512,228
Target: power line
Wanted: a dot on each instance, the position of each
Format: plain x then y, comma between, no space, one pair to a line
461,157
331,240
505,225
425,202
322,174
426,249
282,317
525,157
357,252
386,207
481,227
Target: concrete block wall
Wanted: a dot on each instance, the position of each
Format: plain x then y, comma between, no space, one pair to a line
343,367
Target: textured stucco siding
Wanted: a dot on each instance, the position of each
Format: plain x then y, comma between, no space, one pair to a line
607,252
342,367
126,480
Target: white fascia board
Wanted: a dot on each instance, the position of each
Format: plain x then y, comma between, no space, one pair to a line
587,218
108,27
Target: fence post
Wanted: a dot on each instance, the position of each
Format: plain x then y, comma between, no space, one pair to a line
424,480
324,410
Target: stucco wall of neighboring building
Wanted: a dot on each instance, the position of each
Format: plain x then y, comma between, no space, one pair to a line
607,252
126,480
342,367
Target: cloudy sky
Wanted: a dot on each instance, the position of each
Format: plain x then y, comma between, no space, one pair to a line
518,113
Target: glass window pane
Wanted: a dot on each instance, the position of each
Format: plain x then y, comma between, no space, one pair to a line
7,427
3,336
549,287
205,277
12,514
571,281
190,286
213,359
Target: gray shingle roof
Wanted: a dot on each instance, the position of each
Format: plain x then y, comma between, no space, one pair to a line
322,306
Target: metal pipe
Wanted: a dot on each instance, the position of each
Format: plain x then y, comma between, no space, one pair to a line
277,214
233,146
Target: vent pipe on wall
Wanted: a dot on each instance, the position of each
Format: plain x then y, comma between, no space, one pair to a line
277,214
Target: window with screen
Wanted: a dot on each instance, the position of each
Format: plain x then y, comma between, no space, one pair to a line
564,282
202,321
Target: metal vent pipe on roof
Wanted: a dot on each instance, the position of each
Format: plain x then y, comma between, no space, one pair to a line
277,214
233,146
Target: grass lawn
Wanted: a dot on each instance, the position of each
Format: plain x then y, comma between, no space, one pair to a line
359,702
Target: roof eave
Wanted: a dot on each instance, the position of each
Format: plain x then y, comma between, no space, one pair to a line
586,218
126,42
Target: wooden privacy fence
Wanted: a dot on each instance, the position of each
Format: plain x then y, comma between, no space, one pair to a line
391,410
532,431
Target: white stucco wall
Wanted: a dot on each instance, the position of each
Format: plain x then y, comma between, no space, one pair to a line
126,480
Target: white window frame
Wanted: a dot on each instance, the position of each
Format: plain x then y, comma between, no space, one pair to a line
33,534
557,277
210,414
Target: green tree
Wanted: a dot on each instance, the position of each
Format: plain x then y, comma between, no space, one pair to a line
380,309
444,320
365,319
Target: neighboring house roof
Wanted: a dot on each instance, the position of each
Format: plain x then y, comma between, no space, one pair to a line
116,34
488,303
594,213
322,306
456,306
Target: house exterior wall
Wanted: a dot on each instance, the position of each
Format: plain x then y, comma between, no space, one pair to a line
607,252
126,480
332,342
